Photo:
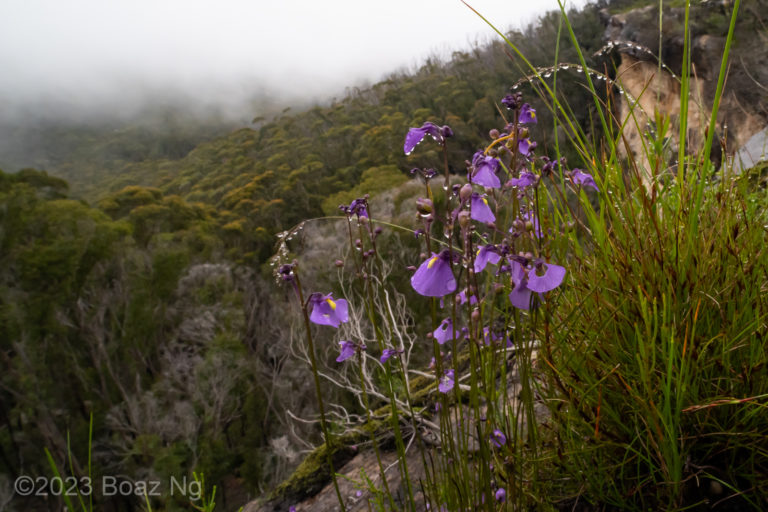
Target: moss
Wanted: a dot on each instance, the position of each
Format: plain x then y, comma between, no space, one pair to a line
313,473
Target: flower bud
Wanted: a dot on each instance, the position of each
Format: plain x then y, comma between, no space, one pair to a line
424,206
475,315
466,192
464,219
523,133
528,225
494,133
338,263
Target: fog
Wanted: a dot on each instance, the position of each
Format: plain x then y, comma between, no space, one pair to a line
76,59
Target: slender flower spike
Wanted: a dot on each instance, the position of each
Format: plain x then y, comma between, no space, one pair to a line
584,179
443,332
348,349
389,352
498,438
326,311
480,211
527,115
416,135
434,277
446,382
485,171
501,495
486,254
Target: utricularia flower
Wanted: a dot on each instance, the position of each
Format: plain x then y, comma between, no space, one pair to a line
584,179
327,311
356,207
538,276
484,172
527,115
486,254
416,135
389,352
480,211
348,349
501,495
498,439
526,179
434,277
443,332
446,382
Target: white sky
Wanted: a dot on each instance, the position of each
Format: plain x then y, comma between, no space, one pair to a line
102,51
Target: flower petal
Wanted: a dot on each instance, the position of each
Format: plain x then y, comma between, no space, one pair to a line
551,279
434,277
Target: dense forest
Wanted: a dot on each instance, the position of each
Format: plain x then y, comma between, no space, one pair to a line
136,294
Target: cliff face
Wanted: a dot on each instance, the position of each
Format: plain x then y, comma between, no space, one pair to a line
653,87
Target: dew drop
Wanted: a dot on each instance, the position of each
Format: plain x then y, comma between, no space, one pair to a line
579,70
514,86
547,75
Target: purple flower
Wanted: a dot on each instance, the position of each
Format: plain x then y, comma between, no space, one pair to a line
357,207
544,277
446,382
443,331
527,115
584,179
512,101
498,438
416,135
479,209
501,495
486,254
292,509
525,147
348,349
526,179
434,277
326,311
540,278
389,352
485,171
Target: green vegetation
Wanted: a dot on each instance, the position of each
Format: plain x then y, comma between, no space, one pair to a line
137,300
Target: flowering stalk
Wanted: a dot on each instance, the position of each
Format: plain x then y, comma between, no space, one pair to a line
294,277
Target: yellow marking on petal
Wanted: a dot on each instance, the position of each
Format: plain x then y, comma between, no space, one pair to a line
478,253
331,303
485,201
432,262
533,114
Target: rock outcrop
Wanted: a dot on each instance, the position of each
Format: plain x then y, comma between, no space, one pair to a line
653,87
